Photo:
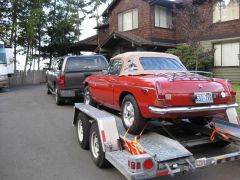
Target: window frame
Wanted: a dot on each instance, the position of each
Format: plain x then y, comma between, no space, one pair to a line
121,29
221,43
110,65
220,20
170,26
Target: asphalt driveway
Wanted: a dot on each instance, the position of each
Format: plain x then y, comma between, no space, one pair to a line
38,142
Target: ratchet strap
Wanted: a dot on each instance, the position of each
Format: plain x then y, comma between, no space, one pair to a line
220,131
133,146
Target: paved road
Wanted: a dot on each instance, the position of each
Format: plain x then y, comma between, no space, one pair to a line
37,142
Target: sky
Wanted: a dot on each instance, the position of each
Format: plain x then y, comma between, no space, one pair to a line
89,23
87,30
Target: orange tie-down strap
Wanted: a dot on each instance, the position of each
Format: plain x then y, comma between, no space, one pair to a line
133,146
220,131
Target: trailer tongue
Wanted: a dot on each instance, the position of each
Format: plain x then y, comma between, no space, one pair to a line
159,155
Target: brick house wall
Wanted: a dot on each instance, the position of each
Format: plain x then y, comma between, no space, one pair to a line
143,16
159,33
218,30
103,34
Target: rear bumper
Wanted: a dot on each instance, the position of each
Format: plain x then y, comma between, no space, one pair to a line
192,109
73,93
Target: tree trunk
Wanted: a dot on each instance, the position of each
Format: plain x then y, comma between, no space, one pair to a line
25,66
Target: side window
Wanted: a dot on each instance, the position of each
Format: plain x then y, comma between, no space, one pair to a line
115,67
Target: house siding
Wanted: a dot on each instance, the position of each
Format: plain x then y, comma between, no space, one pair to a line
103,34
228,73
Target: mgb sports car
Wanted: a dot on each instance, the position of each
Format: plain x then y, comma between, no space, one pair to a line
150,85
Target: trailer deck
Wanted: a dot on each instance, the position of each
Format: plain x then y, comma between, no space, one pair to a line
169,155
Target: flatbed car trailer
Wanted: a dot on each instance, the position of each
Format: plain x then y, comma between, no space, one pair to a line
102,132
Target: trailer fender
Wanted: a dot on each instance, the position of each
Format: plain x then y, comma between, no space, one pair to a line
106,125
76,112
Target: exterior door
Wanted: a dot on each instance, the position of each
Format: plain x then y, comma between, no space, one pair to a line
104,85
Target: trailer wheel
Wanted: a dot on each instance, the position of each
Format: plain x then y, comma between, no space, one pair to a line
131,115
88,97
58,99
97,154
83,128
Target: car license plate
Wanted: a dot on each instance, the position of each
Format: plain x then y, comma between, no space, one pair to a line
203,97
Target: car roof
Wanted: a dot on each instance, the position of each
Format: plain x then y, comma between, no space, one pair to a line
132,58
137,55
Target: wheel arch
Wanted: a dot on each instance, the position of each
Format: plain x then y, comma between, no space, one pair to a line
122,96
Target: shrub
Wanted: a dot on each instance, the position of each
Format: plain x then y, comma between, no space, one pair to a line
193,57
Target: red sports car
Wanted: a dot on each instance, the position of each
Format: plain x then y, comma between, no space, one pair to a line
147,85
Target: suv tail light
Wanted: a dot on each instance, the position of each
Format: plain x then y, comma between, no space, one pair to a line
61,81
230,88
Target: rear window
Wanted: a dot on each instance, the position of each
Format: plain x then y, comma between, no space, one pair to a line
85,63
161,63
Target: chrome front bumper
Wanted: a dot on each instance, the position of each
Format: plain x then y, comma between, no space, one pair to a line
192,109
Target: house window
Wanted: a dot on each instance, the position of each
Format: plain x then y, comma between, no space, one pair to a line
225,10
227,54
128,20
163,17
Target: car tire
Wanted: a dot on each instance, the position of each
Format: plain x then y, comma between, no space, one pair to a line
88,97
131,115
83,128
97,154
58,99
48,90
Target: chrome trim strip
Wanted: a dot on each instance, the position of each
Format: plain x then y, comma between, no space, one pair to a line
191,109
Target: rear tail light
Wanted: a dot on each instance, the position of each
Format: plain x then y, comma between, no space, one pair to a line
230,88
148,164
134,165
161,94
61,81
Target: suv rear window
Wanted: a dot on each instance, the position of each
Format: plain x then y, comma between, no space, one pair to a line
85,63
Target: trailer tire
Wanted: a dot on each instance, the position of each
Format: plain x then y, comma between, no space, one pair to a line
97,154
88,97
136,124
83,128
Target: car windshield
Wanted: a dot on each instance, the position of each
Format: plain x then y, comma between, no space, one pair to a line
85,63
161,63
2,54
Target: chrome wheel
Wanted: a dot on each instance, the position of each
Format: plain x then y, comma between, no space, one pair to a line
87,96
80,130
128,113
95,145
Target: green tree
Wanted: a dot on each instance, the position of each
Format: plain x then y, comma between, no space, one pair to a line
190,55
